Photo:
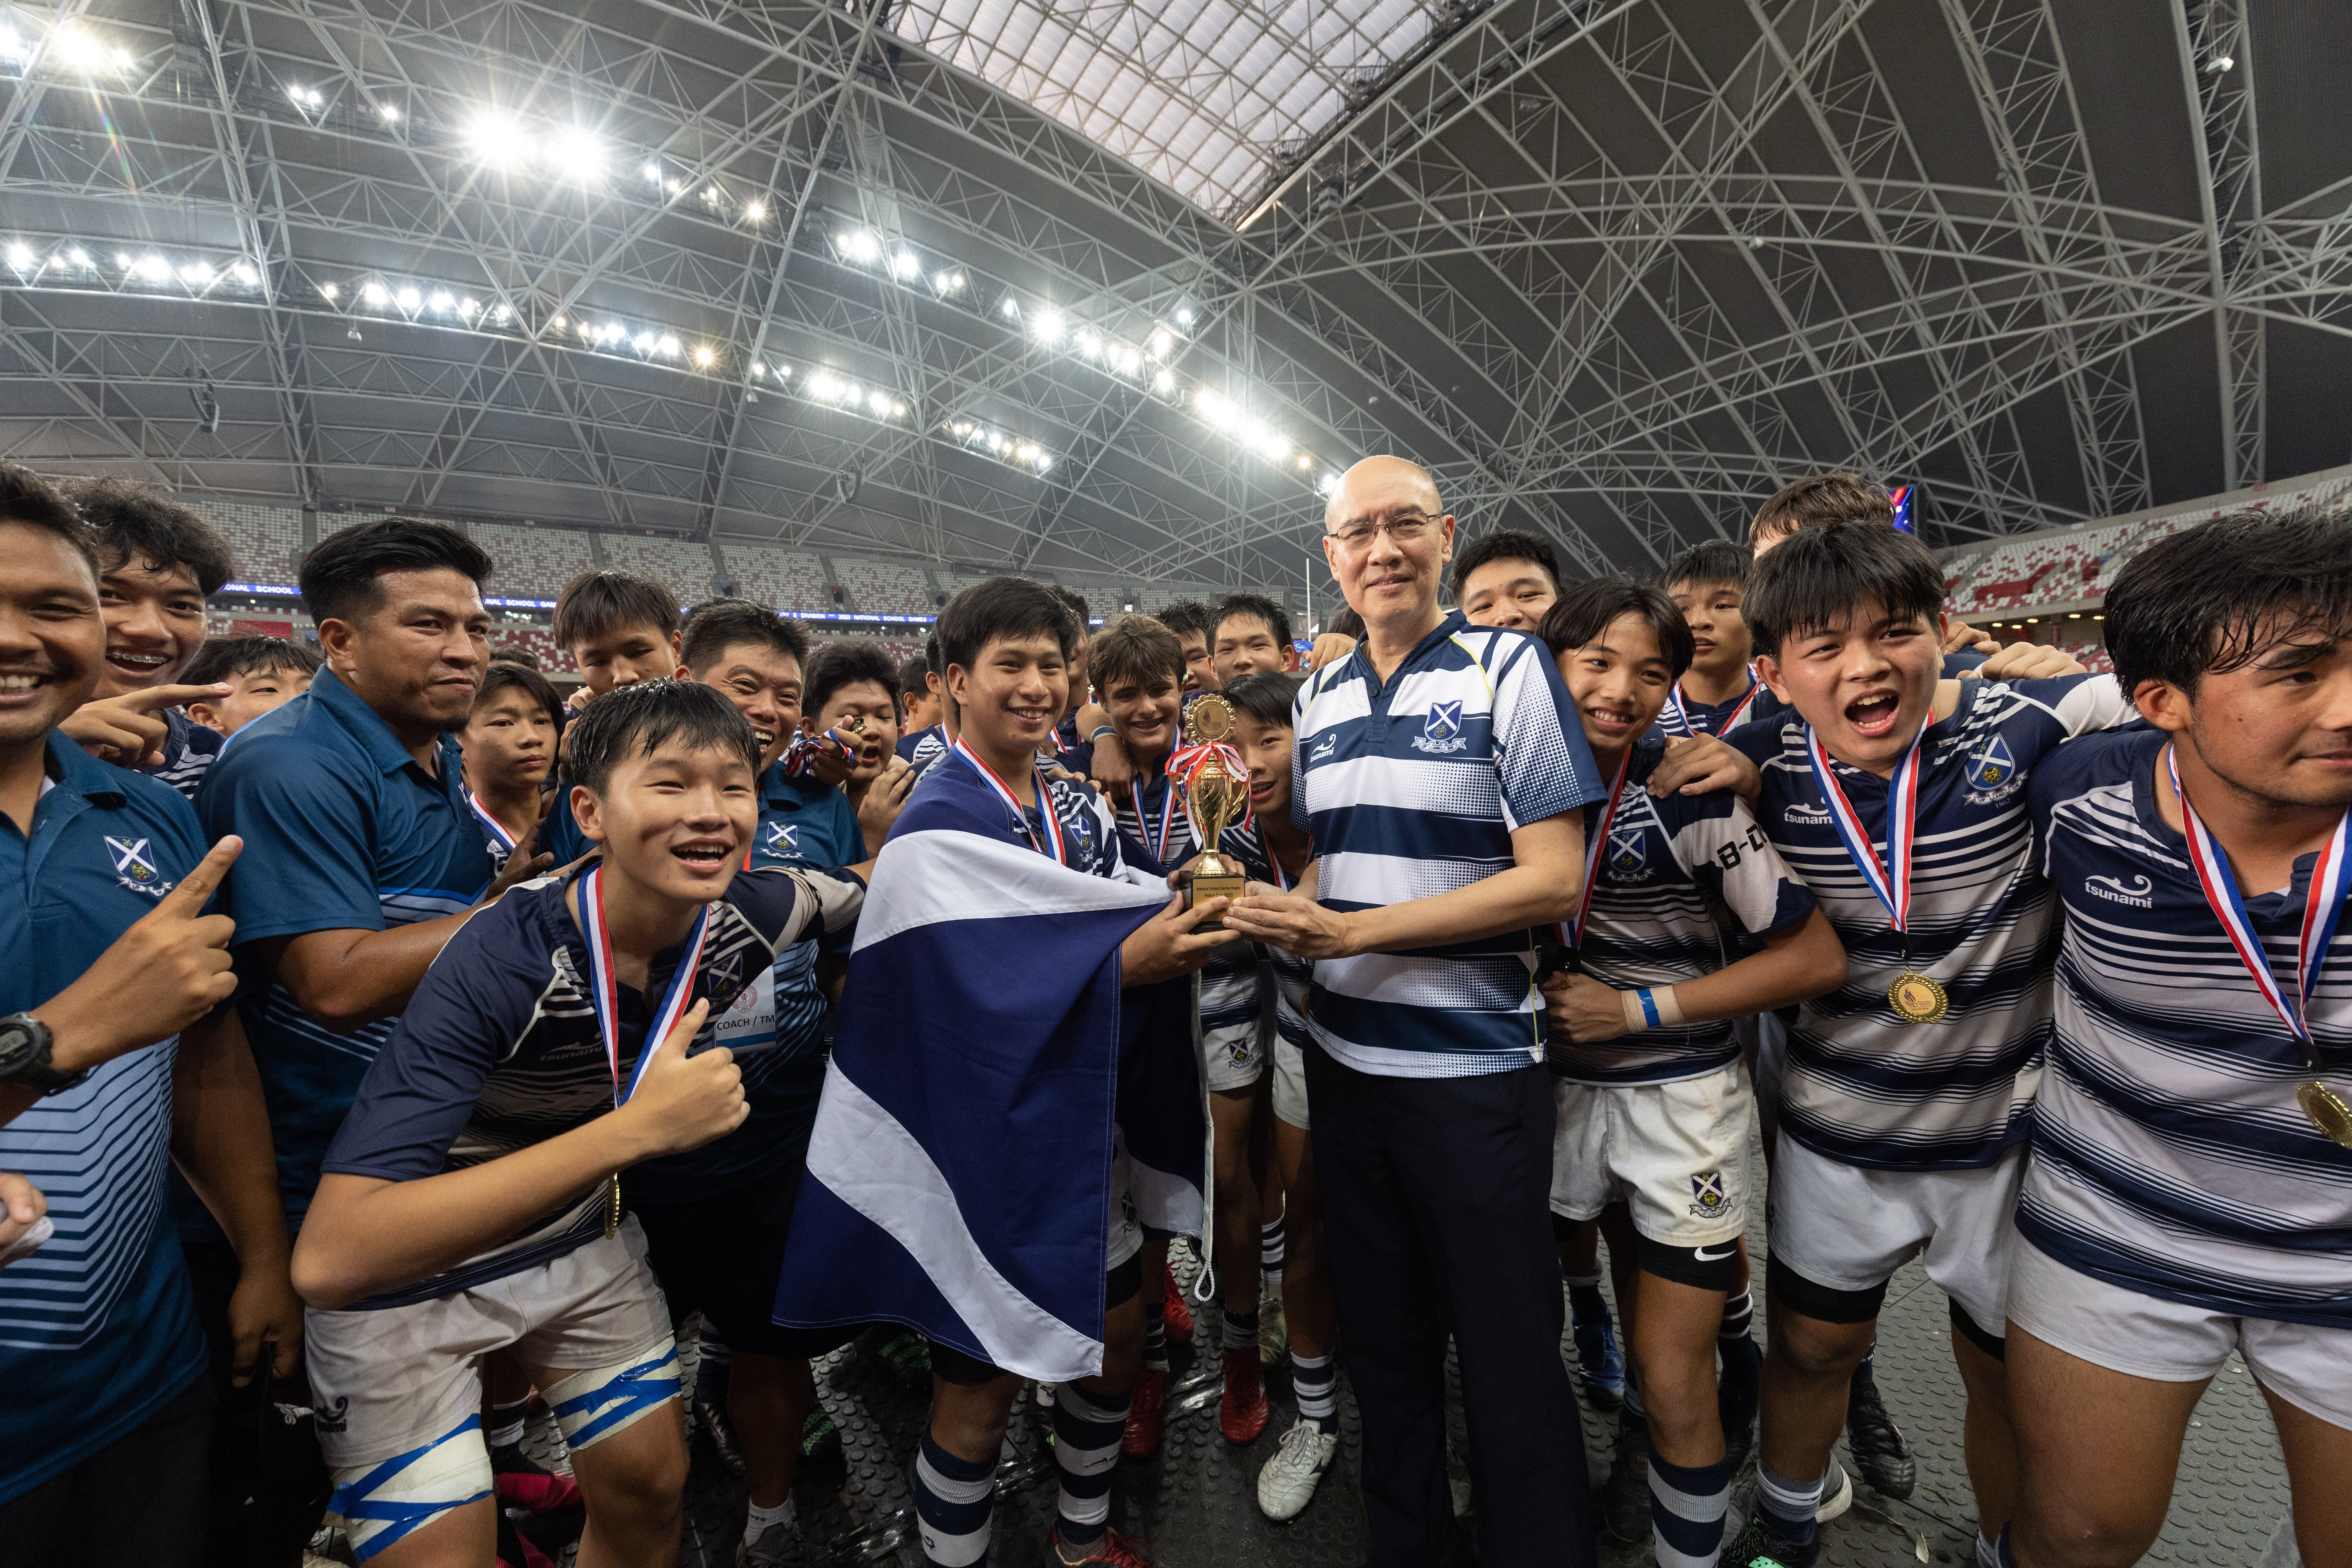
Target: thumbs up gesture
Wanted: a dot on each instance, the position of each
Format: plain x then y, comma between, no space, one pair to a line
167,972
682,1102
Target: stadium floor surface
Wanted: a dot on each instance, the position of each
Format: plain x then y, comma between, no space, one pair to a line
1195,1501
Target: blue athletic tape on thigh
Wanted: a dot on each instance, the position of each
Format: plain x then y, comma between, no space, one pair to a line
599,1402
388,1502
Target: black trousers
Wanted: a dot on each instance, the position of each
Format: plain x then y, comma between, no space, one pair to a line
139,1499
1436,1212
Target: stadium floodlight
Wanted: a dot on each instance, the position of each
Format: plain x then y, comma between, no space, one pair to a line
1011,309
758,370
243,273
905,265
1162,340
408,299
442,300
1130,361
388,113
1087,343
376,294
577,154
123,259
13,47
666,344
466,308
20,257
1164,384
502,314
703,356
1048,326
1184,319
898,410
78,49
878,403
1306,463
195,275
860,246
643,343
498,141
78,257
154,269
755,210
1328,485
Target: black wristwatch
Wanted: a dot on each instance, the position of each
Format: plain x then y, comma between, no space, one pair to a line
25,1056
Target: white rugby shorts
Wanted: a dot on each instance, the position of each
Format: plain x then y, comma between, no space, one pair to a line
1676,1153
1290,1082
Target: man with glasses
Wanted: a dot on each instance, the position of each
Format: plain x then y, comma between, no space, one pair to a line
1440,771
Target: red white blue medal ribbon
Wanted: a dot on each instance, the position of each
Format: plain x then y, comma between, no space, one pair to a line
1058,850
1682,714
605,997
2323,907
1167,818
1572,934
491,825
1892,879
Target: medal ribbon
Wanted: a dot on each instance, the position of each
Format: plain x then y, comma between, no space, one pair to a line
1892,881
491,825
1059,850
1186,763
1571,934
1159,843
803,750
604,996
1682,715
2323,907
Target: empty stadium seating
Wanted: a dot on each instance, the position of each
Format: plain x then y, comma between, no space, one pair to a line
534,562
884,588
781,579
683,564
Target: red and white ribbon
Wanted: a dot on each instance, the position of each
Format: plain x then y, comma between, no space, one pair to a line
1059,850
605,997
1892,879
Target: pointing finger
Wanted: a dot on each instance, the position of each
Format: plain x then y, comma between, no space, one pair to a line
196,888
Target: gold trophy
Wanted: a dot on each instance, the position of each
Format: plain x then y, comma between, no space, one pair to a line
1214,796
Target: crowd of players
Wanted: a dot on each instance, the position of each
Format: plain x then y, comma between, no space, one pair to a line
348,1111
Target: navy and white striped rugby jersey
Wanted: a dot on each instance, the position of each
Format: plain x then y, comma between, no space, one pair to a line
1413,787
1669,865
188,750
2170,1155
1862,1086
499,1048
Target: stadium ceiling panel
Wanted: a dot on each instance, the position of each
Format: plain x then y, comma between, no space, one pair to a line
1057,289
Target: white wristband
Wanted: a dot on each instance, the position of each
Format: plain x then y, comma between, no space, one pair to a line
1650,1009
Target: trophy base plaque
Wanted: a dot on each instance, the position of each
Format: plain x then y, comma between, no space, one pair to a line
1218,883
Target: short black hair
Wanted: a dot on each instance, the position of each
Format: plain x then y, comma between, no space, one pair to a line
1345,623
840,664
1818,498
1268,696
343,578
514,653
2211,600
1825,572
222,657
1505,544
1073,601
996,609
913,677
932,660
1276,619
1188,615
28,498
595,602
640,720
1717,561
506,675
130,522
1584,610
716,625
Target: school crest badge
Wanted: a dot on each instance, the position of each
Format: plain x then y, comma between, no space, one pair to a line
1992,765
134,866
1707,1198
1440,732
1626,854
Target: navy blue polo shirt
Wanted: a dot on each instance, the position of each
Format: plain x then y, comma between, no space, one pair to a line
559,830
343,831
808,825
98,1329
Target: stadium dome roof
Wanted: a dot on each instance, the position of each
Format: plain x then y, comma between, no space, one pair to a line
1000,282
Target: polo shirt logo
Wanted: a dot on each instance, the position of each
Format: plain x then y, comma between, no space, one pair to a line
783,837
1992,765
134,866
1442,731
1625,848
1324,747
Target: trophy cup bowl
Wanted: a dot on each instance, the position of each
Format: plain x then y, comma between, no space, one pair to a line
1217,799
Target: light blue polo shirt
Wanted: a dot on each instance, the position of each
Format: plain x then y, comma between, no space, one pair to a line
98,1329
1413,787
343,831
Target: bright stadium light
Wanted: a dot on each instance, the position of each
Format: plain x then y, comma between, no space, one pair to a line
154,269
243,273
78,49
860,246
905,265
1011,309
1164,384
388,113
408,299
20,257
703,356
497,141
78,257
577,154
666,344
443,300
195,275
376,294
1049,326
755,211
328,292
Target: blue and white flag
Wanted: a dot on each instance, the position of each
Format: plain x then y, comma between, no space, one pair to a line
988,1070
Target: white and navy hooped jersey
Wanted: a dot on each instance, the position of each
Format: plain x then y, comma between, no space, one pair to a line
1862,1086
2170,1155
1670,868
499,1049
1410,787
188,750
1752,706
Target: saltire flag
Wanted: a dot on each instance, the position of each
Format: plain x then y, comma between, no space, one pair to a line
987,1070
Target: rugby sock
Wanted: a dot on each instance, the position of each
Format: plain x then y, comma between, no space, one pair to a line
1743,1359
1155,1332
1584,1299
1788,1507
956,1501
1315,1380
1867,1371
1738,1315
1241,1330
1269,1251
1087,1430
1686,1509
1991,1556
763,1519
506,1424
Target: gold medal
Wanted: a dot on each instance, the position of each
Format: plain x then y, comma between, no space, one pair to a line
2327,1111
613,1209
1916,998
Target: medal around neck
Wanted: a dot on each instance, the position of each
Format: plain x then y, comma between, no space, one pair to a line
1215,785
1917,999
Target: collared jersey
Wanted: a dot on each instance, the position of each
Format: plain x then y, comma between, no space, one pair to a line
98,1329
1708,717
1672,871
501,1049
1862,1086
559,830
2170,1155
343,831
188,750
1413,787
924,747
808,825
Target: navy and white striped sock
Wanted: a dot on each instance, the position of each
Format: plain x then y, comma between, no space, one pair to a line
1686,1510
1087,1431
1738,1315
2004,1555
1269,1250
1155,1332
955,1500
1789,1505
1241,1330
1315,1380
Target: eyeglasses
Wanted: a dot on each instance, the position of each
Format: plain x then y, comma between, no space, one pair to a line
1406,530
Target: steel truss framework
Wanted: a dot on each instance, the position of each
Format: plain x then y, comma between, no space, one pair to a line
1613,271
